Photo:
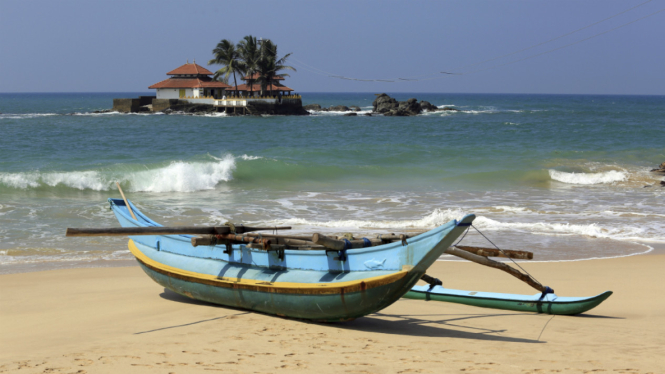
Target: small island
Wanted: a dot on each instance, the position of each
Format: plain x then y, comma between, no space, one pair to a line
191,88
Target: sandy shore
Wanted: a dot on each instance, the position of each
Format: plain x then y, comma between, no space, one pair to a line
116,320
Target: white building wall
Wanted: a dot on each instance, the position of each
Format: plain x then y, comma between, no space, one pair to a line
168,93
174,93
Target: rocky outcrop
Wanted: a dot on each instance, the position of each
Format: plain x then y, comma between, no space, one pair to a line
660,169
339,108
314,107
410,106
384,103
185,107
427,106
332,108
388,106
352,114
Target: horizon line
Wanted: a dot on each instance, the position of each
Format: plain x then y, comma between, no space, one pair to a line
359,92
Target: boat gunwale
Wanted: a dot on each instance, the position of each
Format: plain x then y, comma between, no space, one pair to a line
314,252
265,286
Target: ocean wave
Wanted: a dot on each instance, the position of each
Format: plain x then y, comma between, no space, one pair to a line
611,176
337,113
178,176
93,114
512,209
250,158
439,217
182,176
46,255
26,115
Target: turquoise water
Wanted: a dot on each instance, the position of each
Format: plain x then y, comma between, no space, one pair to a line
563,176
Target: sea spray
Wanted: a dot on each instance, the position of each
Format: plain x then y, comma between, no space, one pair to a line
177,176
611,176
184,176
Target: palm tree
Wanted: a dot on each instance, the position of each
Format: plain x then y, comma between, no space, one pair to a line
228,56
269,65
250,54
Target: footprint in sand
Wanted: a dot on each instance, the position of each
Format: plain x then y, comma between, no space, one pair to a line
83,362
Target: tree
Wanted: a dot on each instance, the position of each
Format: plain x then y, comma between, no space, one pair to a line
227,55
249,54
269,65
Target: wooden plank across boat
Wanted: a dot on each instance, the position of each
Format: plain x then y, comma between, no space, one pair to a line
324,285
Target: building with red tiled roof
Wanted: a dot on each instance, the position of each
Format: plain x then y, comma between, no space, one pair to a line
189,80
254,89
245,89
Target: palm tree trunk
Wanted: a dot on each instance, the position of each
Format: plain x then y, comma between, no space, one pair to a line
235,83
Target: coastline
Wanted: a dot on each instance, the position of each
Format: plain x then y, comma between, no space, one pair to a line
119,320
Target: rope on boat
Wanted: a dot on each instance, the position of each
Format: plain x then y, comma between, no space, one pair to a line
232,227
547,290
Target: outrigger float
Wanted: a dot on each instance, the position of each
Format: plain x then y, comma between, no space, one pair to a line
315,278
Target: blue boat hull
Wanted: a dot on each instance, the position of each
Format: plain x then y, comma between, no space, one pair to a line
316,284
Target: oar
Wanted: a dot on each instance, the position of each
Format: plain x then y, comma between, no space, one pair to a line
126,203
177,230
491,252
213,240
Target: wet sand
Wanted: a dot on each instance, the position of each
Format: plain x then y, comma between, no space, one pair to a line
117,320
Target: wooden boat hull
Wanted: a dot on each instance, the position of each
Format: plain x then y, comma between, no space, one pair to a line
318,285
549,304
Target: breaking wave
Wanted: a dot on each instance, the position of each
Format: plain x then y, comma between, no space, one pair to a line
337,113
611,176
439,217
178,176
436,218
25,115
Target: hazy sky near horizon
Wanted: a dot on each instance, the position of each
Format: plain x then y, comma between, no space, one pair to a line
125,46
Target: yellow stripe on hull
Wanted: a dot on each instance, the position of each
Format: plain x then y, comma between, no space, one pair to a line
264,286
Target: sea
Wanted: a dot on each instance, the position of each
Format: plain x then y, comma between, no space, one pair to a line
566,177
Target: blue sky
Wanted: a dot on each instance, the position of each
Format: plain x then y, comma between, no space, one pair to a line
125,46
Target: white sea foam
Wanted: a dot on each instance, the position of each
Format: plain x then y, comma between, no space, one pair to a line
80,180
48,255
249,158
178,176
611,176
184,176
512,209
441,216
436,218
91,114
337,113
20,180
26,115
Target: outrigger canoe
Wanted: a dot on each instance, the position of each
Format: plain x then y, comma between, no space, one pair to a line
336,281
320,285
548,303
